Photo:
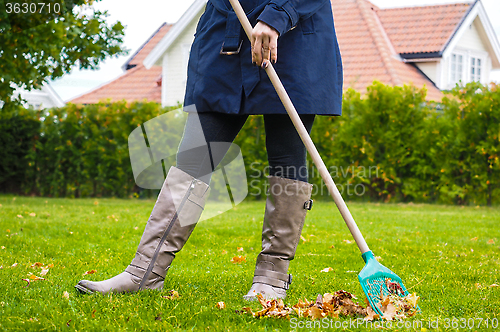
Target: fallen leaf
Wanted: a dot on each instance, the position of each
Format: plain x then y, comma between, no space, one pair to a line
65,295
14,265
67,324
37,264
2,247
32,214
224,252
303,238
136,228
90,272
491,241
328,269
494,285
158,317
474,238
238,259
378,258
34,277
389,312
19,216
332,247
96,202
221,305
347,241
239,249
8,230
44,271
371,315
173,294
50,265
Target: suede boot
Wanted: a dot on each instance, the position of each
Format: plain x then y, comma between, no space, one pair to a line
174,216
287,204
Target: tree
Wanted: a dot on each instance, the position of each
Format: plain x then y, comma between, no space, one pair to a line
42,39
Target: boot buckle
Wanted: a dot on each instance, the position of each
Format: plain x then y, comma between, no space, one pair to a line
308,205
287,284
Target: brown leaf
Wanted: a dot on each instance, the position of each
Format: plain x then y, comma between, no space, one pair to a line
32,214
371,315
44,271
328,298
34,277
491,241
238,259
474,239
172,295
240,249
90,272
19,216
494,285
14,265
221,305
327,269
316,313
389,312
224,252
37,264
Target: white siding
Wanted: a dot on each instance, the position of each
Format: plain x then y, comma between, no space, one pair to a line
471,39
429,69
175,73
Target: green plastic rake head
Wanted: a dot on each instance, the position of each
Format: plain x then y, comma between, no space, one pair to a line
377,280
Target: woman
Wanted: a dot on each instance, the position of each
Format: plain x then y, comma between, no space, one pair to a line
226,84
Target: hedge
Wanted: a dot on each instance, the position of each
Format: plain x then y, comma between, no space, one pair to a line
390,145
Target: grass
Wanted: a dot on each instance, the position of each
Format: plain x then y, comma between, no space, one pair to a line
429,246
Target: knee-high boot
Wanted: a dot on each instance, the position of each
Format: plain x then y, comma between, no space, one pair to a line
286,207
174,216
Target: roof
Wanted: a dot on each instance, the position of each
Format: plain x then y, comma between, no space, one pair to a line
424,29
136,83
367,52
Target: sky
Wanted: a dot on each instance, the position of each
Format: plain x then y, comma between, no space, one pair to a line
142,18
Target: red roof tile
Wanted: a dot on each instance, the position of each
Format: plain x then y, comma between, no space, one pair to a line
367,52
137,83
422,29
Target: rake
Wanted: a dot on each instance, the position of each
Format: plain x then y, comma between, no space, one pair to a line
376,279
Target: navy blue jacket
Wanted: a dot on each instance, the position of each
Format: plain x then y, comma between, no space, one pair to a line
309,62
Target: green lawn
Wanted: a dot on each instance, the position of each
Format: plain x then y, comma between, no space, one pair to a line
431,247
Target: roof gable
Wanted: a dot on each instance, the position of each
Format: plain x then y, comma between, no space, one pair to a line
424,29
143,51
367,52
137,83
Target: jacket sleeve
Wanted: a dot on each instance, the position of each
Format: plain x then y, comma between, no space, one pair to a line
283,15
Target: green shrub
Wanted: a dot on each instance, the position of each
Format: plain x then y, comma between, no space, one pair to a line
389,145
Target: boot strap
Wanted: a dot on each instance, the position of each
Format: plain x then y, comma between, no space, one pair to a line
273,282
140,272
273,274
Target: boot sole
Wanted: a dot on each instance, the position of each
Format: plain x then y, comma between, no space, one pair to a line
83,290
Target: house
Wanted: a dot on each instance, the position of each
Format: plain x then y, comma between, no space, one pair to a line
433,46
136,83
45,97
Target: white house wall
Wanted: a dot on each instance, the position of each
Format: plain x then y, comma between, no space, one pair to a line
175,68
429,69
471,39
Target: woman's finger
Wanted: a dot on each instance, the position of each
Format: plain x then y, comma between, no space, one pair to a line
273,46
257,49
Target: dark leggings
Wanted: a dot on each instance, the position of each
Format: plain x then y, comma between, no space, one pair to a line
285,151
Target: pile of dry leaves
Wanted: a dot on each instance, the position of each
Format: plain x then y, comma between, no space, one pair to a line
341,303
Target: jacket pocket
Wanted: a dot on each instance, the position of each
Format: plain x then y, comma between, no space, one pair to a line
307,26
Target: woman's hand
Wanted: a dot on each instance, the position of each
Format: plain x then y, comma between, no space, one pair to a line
264,44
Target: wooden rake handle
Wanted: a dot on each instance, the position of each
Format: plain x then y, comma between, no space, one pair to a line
306,139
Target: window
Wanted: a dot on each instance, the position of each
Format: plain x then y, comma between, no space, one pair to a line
457,64
475,69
